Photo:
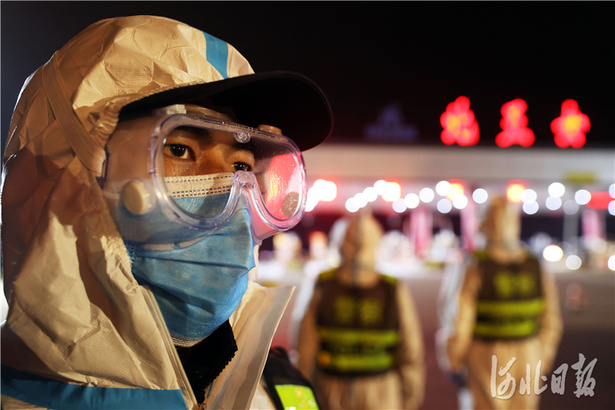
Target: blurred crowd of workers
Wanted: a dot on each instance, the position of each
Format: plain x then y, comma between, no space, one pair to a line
360,340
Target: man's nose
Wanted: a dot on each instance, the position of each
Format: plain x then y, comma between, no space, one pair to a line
213,161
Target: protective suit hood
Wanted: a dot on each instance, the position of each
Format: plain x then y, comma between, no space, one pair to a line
502,229
144,62
359,250
67,274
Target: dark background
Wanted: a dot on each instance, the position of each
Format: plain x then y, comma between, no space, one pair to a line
367,55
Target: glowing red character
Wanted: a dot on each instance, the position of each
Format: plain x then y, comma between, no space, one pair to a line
570,127
514,125
459,123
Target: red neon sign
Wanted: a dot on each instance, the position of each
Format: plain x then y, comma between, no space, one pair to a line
458,123
599,200
570,128
514,125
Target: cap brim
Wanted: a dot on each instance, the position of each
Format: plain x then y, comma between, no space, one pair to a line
287,100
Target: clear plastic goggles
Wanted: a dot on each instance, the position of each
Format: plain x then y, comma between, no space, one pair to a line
174,177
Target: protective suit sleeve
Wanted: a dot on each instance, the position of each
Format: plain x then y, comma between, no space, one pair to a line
308,340
456,336
411,351
551,326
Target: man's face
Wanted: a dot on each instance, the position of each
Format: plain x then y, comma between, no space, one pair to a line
191,151
188,159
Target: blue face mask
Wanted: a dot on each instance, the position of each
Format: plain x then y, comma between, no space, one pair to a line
197,284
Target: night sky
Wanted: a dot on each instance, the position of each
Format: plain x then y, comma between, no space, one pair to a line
369,55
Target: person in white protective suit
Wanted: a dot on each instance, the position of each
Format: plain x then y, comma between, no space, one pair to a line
360,340
145,164
498,307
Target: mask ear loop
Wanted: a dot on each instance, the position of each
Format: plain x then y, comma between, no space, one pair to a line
90,151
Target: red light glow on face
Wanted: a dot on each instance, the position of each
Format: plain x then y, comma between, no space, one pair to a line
570,128
458,123
514,125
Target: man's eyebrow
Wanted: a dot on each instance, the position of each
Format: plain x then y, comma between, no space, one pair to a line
243,146
195,131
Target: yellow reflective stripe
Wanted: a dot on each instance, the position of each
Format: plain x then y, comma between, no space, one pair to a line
380,338
350,362
390,279
524,328
294,396
481,255
531,307
329,274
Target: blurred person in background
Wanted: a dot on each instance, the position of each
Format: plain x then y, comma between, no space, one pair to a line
498,306
360,341
137,189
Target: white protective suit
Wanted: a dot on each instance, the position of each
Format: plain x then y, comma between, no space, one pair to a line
78,321
467,359
401,387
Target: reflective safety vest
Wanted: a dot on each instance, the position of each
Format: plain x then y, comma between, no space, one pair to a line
358,328
510,300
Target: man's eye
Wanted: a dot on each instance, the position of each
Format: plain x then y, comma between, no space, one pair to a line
241,166
177,151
